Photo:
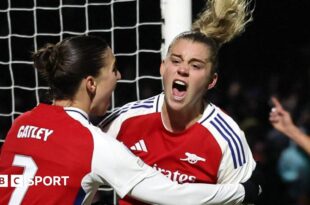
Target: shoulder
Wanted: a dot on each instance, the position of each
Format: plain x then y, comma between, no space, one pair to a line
132,109
41,108
229,136
217,118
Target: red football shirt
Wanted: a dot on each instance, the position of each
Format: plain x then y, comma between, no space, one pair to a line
46,142
213,150
64,159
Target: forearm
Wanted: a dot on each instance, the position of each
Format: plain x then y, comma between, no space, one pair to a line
299,138
160,190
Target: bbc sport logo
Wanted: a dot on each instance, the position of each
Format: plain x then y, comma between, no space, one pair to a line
3,180
21,180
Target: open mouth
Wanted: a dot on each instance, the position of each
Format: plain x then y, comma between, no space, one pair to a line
179,89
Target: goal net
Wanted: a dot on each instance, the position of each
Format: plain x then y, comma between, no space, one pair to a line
135,29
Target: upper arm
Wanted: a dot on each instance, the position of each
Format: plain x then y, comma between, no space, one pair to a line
116,165
239,168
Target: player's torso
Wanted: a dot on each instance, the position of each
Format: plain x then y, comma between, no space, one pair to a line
52,149
213,150
191,156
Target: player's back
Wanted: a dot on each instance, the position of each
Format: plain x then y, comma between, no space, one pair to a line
53,150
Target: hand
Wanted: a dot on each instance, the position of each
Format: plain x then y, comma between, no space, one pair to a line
282,121
253,187
280,118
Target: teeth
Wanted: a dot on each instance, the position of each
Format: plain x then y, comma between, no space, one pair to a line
179,82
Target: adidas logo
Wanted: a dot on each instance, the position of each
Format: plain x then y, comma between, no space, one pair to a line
139,146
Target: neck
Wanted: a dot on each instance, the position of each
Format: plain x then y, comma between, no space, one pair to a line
179,120
71,103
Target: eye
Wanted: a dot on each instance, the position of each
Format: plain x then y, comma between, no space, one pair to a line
197,66
175,61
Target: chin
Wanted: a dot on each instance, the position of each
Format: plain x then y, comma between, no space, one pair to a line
176,105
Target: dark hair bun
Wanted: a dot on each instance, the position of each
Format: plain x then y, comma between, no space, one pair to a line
45,60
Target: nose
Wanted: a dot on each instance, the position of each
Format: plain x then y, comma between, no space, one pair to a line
118,75
183,70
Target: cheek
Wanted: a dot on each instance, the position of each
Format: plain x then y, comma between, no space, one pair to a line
200,82
105,91
168,74
200,87
102,94
101,102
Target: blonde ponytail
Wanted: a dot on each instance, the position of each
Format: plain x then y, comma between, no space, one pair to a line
223,20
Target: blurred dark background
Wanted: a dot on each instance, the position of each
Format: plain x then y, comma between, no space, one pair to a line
271,58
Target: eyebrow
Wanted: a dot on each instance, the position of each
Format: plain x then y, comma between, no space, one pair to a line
191,60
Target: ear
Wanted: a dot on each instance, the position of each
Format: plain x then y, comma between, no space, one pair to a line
162,68
213,81
91,84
